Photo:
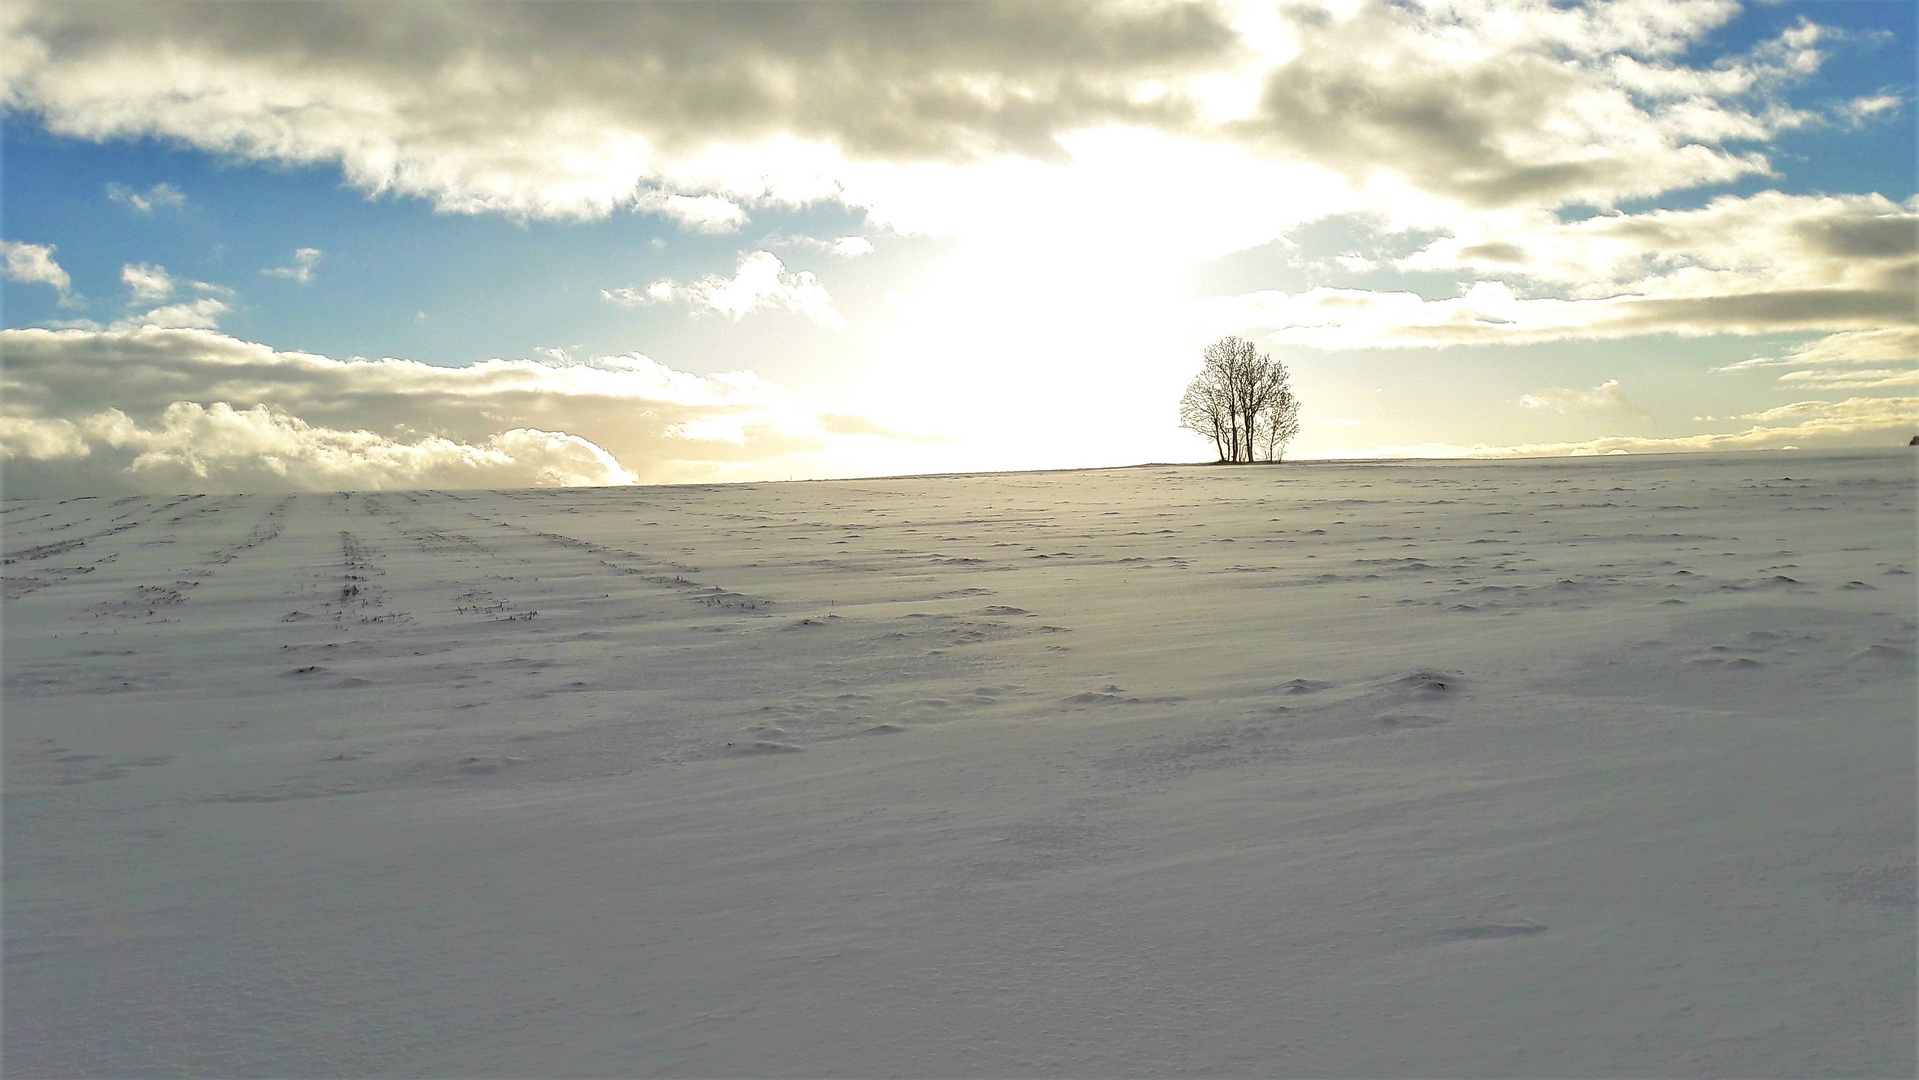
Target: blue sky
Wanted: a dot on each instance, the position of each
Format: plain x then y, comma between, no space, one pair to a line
692,242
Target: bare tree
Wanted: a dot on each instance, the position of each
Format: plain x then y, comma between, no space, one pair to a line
1201,410
1242,401
1280,422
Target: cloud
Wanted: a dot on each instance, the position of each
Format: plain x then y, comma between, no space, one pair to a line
1853,422
859,425
1491,313
1606,397
1872,107
851,247
157,197
700,213
702,113
152,409
1768,239
33,264
218,448
1085,154
575,110
1837,361
201,314
1859,379
300,270
761,282
146,281
1770,263
1498,104
1897,344
844,247
149,283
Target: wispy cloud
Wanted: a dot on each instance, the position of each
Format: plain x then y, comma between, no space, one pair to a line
1606,397
1857,359
761,282
844,247
1870,420
1856,379
157,197
1871,107
300,270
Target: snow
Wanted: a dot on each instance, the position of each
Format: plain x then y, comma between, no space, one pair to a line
1552,767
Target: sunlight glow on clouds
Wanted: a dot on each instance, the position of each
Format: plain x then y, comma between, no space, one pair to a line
105,407
220,448
696,111
576,110
1078,162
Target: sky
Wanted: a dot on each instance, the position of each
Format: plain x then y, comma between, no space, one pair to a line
257,247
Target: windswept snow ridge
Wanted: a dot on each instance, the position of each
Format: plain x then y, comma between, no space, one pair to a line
1540,768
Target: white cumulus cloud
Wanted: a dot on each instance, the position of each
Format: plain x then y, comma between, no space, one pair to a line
145,281
33,264
201,314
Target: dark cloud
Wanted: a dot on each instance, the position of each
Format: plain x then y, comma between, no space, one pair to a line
1884,237
1495,252
938,80
1495,107
578,109
1769,312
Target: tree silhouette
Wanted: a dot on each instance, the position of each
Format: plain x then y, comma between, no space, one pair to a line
1243,401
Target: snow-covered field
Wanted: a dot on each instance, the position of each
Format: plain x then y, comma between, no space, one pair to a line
1567,767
